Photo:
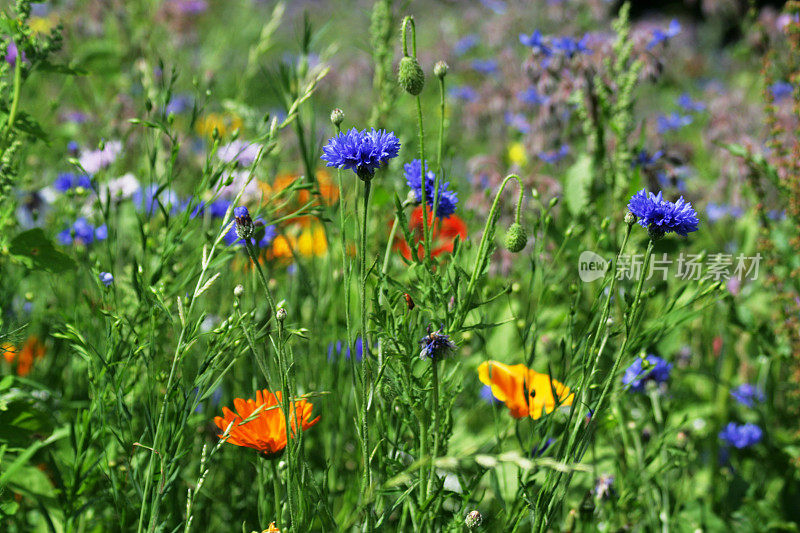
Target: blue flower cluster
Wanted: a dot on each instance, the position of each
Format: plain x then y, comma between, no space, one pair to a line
644,159
651,368
81,232
68,180
661,216
532,97
554,156
447,199
463,92
363,152
671,122
781,90
662,36
715,212
741,435
565,46
747,394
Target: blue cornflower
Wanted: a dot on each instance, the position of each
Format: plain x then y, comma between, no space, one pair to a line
660,36
604,488
644,159
484,66
73,147
741,436
554,156
661,216
335,350
715,212
465,44
488,396
436,345
651,368
82,232
106,278
67,180
531,96
571,47
536,41
463,92
540,448
747,394
361,151
447,199
180,103
673,121
692,106
781,90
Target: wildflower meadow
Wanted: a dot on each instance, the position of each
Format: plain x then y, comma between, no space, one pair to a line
384,265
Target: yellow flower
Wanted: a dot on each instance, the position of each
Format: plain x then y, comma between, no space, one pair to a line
41,25
224,122
517,155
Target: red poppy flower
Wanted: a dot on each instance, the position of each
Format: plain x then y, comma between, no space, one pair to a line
443,235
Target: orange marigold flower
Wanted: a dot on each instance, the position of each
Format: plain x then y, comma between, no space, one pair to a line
509,384
266,433
272,529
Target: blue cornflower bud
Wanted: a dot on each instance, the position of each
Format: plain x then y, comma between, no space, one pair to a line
244,224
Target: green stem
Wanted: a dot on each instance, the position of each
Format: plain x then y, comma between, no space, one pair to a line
276,489
366,480
426,230
12,114
435,379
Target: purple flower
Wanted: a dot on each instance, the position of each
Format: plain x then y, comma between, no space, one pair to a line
781,90
644,159
243,153
218,208
571,47
685,101
651,368
554,156
673,121
96,160
147,199
447,199
106,278
604,488
484,66
488,396
531,96
741,436
363,152
190,7
535,41
81,232
178,104
518,122
661,216
465,44
335,350
660,36
463,92
747,394
67,180
436,345
13,52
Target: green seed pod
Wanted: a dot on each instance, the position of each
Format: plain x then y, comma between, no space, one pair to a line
440,69
410,75
516,238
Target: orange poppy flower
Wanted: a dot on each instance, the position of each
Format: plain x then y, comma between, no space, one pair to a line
310,242
32,349
510,383
9,352
266,433
443,235
272,529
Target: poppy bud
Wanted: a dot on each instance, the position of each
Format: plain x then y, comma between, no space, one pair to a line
516,238
411,76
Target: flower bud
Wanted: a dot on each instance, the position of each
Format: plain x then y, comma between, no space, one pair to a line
516,238
281,314
337,116
630,218
238,291
244,224
410,75
440,69
473,519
